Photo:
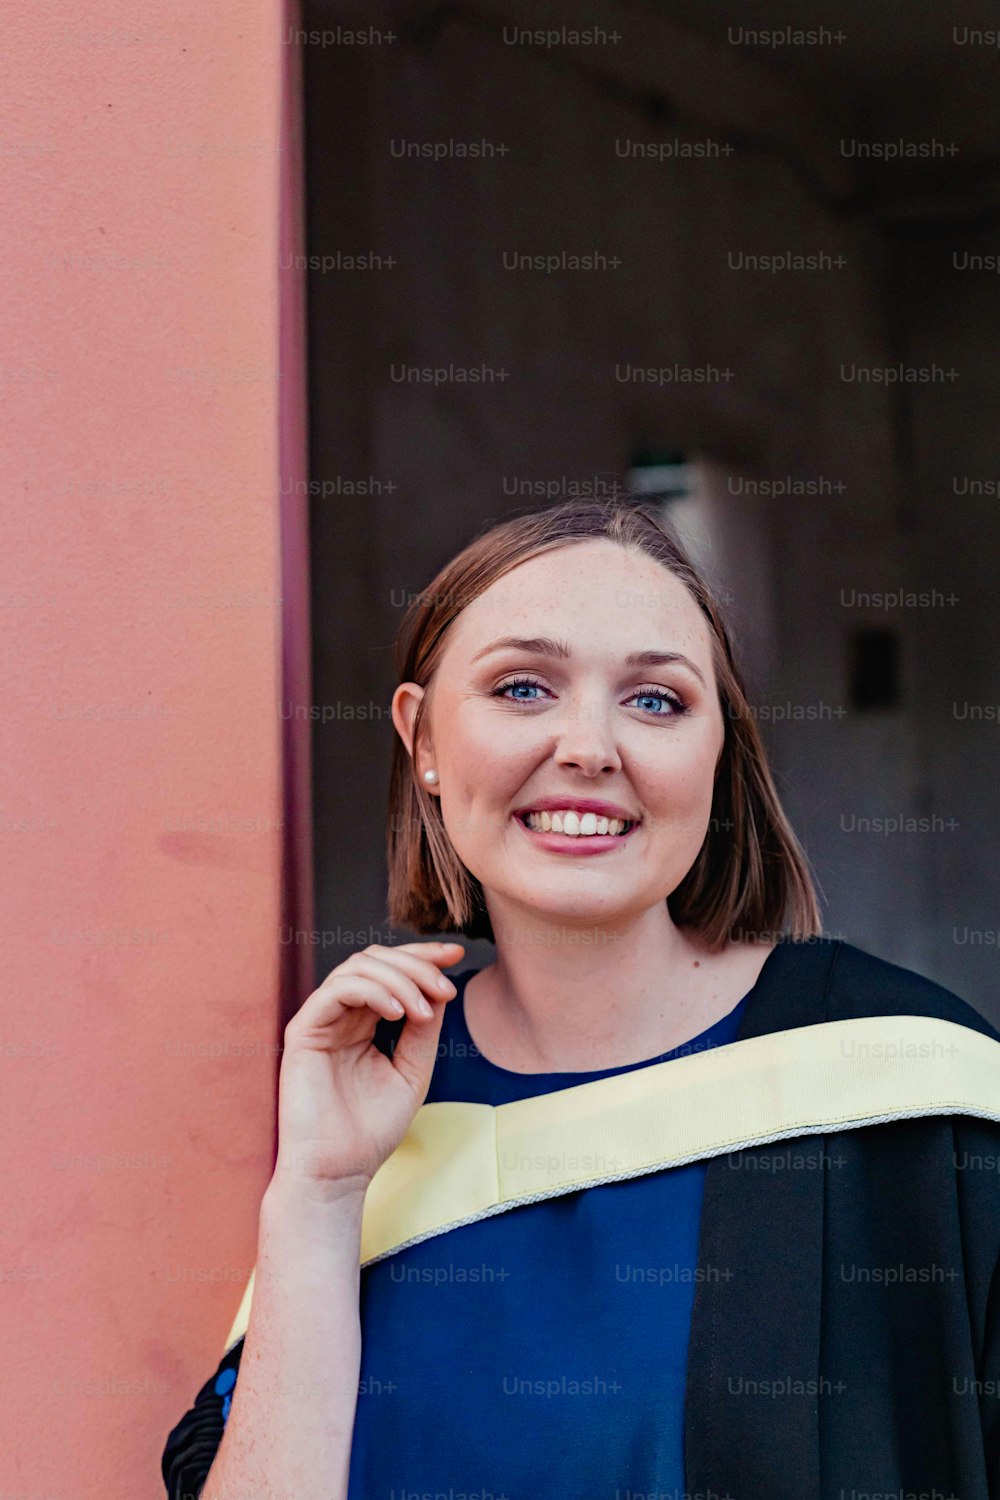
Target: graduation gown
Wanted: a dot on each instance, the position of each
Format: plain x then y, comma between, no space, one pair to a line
852,1347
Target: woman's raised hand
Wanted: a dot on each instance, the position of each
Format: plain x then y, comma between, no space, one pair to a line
343,1106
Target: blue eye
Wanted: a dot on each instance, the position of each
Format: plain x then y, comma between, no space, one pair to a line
676,705
516,682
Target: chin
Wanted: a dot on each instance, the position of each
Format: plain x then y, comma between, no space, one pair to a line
603,911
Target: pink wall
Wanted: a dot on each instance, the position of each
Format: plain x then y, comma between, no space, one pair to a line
150,192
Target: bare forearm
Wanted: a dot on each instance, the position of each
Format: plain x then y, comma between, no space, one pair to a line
289,1431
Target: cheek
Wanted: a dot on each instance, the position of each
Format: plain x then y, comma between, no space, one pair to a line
683,783
465,756
470,733
486,758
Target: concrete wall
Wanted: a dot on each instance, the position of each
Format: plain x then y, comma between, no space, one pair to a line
440,459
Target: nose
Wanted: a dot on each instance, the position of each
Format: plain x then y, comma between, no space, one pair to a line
586,741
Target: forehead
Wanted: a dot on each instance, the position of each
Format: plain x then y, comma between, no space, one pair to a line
595,595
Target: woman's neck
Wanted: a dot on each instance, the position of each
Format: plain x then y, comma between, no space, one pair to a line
580,1007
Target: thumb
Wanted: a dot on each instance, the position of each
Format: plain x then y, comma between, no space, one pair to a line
416,1050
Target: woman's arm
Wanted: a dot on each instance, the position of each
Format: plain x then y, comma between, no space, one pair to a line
289,1431
343,1108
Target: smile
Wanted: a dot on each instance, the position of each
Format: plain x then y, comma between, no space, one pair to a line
567,832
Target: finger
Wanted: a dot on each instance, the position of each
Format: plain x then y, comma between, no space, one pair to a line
326,1002
338,994
415,1053
431,950
426,977
427,945
409,992
433,956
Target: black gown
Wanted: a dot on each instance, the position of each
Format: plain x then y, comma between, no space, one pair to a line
854,1349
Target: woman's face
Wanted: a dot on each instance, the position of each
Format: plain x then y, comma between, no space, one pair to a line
516,727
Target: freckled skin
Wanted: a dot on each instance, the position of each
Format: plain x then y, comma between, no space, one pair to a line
491,754
591,935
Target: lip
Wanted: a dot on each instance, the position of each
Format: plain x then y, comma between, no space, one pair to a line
580,804
568,843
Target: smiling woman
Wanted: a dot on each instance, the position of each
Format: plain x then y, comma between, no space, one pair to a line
529,1233
560,709
619,695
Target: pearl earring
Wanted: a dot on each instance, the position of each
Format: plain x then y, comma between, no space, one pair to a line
431,776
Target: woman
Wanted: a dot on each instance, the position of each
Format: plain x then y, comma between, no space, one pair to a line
647,1290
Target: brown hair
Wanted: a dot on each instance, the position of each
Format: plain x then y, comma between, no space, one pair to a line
750,879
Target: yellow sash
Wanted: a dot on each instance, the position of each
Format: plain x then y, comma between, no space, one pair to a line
461,1162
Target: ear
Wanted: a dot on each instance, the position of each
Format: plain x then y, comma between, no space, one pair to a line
405,702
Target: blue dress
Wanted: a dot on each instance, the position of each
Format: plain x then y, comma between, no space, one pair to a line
541,1351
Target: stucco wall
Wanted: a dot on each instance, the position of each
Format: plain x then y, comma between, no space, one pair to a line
141,813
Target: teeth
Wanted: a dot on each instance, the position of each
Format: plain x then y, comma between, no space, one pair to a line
577,825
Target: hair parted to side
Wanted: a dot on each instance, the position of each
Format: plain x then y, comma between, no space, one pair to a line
750,879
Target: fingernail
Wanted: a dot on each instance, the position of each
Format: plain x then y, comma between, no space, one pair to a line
425,1009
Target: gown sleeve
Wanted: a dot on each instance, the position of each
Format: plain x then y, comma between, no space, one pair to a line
989,1401
194,1442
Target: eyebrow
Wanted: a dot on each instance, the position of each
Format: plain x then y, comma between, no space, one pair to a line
543,645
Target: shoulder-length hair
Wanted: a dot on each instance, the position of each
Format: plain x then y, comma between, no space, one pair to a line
750,879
